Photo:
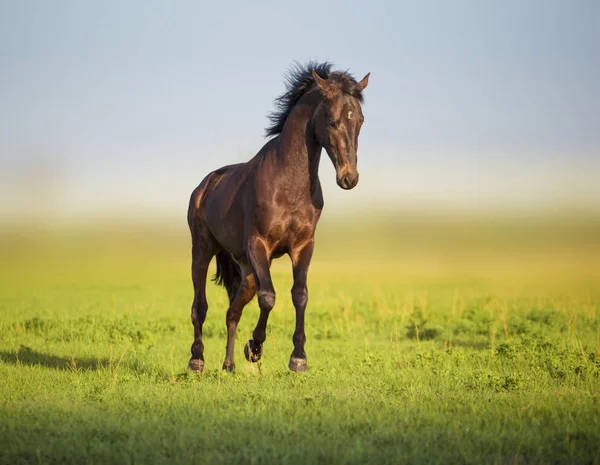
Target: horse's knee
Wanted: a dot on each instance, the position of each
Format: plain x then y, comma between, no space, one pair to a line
199,313
300,296
266,300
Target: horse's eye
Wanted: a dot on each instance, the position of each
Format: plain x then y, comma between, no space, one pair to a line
332,124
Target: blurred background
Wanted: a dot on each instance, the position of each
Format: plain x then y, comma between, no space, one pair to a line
482,121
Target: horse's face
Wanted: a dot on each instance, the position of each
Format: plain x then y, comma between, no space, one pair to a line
337,124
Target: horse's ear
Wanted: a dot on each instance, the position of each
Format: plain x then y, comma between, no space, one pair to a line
363,84
326,86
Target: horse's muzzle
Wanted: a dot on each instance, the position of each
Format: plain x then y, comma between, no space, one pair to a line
348,180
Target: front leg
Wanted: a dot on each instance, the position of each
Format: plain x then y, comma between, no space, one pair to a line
300,262
259,259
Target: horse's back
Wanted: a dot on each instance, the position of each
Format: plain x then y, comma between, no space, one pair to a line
227,195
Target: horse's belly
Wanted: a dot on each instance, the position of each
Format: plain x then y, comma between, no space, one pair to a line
228,232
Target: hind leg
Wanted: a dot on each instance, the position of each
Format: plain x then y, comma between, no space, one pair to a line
203,249
244,295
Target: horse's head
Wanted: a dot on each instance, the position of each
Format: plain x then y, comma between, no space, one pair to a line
337,122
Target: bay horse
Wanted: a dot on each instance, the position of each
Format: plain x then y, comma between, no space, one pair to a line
250,213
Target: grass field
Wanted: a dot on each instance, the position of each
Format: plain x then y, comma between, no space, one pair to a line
439,342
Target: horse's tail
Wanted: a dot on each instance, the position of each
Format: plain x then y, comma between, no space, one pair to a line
228,274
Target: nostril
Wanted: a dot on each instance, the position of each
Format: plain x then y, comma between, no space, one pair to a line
351,180
348,180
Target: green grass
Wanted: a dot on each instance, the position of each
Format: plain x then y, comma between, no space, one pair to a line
429,354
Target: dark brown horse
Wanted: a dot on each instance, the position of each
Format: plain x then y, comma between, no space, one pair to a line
249,213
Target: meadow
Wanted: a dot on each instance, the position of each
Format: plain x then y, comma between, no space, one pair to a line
429,340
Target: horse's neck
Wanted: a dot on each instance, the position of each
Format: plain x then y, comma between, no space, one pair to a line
299,152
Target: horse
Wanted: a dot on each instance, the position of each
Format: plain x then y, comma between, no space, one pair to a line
250,213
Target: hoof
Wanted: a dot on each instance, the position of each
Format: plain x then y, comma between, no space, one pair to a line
298,364
196,365
252,351
229,367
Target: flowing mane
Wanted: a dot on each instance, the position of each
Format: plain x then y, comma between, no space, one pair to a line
298,81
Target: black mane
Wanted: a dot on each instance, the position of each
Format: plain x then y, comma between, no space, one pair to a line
298,82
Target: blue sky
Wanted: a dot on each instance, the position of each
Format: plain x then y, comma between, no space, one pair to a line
132,103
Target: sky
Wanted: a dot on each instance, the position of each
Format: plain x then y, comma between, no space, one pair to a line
126,106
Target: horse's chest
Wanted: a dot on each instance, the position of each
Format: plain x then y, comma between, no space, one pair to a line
291,230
